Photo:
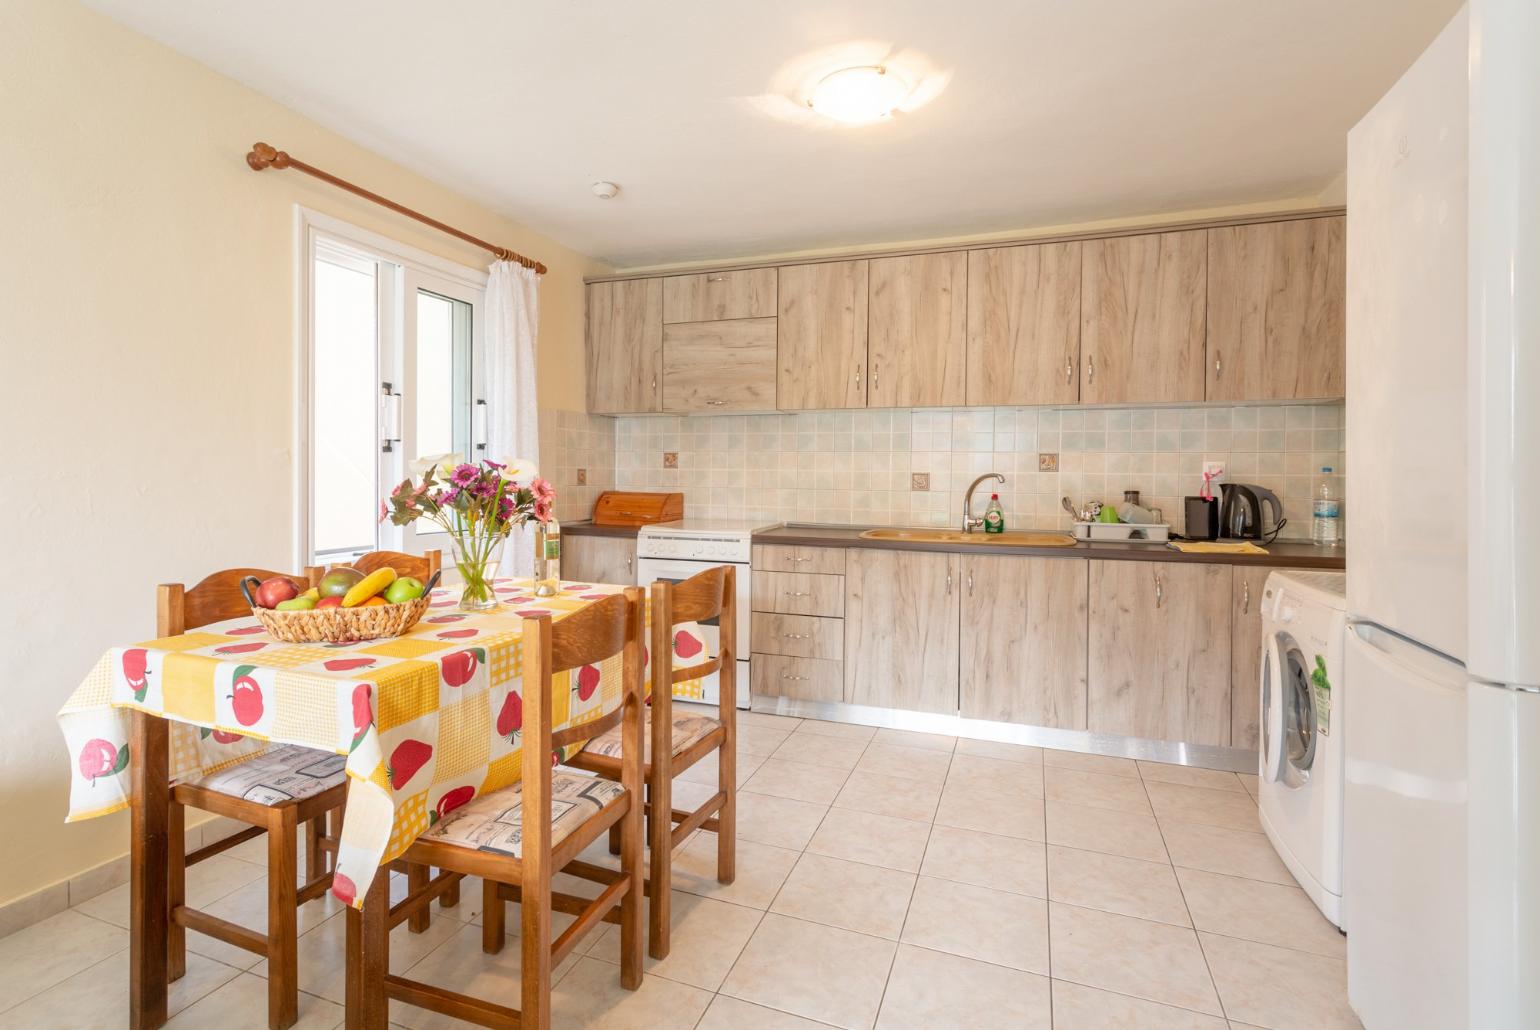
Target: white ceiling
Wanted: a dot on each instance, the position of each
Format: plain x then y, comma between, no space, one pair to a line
1053,111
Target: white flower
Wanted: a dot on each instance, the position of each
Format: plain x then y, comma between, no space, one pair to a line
440,464
520,471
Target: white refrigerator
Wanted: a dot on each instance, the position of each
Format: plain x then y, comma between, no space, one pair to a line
1441,714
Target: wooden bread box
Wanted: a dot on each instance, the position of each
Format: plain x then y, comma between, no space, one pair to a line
627,508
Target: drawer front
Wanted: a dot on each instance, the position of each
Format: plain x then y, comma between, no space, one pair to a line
829,561
719,366
810,679
710,296
798,636
795,593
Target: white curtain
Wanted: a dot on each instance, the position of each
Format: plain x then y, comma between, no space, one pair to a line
513,419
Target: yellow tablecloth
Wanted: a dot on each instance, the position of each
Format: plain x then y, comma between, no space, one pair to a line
427,720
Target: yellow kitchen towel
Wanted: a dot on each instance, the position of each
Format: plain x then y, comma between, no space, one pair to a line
1216,547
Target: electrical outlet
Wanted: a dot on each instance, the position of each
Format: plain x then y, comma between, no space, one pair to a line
919,480
1214,471
1048,463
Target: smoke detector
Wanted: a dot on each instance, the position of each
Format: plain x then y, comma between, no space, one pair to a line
605,190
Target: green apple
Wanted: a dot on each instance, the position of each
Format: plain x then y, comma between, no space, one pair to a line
302,603
403,589
339,581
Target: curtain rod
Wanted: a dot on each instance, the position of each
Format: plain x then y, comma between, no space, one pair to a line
263,156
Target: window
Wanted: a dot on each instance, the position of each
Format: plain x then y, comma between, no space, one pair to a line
393,363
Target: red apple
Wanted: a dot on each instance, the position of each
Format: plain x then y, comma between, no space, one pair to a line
456,634
343,889
363,713
246,696
460,667
329,602
409,756
100,758
247,648
451,800
221,737
686,645
243,631
347,664
275,589
510,718
135,662
588,682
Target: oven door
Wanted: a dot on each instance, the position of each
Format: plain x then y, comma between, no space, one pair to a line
677,570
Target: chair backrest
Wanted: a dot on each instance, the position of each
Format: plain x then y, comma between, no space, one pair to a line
712,594
420,566
216,598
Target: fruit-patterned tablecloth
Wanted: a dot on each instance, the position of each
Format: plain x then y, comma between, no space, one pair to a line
426,721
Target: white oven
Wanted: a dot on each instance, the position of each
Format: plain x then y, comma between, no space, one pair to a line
675,551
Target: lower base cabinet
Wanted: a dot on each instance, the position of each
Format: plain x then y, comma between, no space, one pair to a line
598,559
901,629
1246,655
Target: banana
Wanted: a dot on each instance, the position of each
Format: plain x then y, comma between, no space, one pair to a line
367,587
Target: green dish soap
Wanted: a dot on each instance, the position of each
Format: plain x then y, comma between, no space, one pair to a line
994,516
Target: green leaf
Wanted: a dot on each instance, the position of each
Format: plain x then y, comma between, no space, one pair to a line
122,762
243,670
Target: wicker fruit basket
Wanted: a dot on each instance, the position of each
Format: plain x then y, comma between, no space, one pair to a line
340,625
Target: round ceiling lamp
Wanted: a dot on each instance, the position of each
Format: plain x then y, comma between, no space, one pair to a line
857,96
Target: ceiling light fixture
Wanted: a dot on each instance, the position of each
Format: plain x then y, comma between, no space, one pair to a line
858,95
605,190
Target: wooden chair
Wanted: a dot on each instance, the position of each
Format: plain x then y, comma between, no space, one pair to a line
215,599
521,870
677,742
422,566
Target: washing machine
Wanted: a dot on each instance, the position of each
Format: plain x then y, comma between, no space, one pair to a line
1300,765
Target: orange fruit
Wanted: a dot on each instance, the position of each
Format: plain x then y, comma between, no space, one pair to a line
374,602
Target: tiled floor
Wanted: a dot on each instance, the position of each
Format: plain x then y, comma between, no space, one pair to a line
885,879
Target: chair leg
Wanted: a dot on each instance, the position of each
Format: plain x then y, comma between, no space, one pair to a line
727,816
176,889
660,871
494,913
451,896
282,919
631,961
615,839
368,957
315,858
417,877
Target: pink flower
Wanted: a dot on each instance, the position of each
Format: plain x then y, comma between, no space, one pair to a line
505,508
489,463
384,512
447,498
543,510
484,488
543,491
464,475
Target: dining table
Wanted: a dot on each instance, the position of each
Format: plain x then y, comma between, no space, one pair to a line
421,723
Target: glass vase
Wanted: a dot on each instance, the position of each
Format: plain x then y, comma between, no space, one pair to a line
476,559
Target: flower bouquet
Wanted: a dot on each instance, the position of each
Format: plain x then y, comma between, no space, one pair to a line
478,505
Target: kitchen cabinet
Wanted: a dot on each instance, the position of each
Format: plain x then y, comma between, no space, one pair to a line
790,558
1276,310
714,296
821,336
917,319
625,346
1246,654
795,593
719,366
598,559
799,636
1024,324
1023,640
1158,652
805,679
1142,318
901,629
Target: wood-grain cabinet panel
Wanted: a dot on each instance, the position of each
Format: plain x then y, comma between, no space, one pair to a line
1246,655
806,679
795,593
598,559
719,366
901,629
798,636
821,335
625,346
711,296
917,316
1024,324
790,558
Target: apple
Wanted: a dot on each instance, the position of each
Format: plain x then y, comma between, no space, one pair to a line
275,590
339,581
302,603
403,589
330,601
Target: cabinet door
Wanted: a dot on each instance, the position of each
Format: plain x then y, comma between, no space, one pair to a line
598,559
1159,653
1141,320
1024,324
1024,640
1276,310
711,296
719,366
901,611
821,336
1246,655
918,319
625,345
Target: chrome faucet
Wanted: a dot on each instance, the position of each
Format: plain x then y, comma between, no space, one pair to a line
970,521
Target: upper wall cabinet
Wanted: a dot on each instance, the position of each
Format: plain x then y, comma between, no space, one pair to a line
1024,325
917,328
1276,298
719,366
1142,318
821,336
625,346
712,296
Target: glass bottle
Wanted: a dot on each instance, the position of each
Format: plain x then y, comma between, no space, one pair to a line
548,558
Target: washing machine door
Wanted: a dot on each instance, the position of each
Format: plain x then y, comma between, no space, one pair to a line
1297,715
1272,712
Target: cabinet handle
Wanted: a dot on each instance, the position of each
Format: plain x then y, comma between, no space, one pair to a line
654,382
794,636
716,278
797,593
858,377
874,375
630,560
791,557
1160,590
1219,365
1069,370
970,582
949,581
786,676
1246,597
716,404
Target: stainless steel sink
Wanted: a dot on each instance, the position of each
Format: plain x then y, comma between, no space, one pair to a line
954,536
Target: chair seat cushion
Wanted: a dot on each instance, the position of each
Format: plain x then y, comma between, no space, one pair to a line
492,822
279,774
689,727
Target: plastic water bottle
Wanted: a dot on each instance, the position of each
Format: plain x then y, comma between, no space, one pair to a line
1325,528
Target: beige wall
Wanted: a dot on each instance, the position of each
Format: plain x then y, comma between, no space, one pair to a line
146,353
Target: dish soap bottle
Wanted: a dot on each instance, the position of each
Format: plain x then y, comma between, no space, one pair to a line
1325,528
994,516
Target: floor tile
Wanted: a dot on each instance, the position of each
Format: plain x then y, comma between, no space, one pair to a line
813,749
842,730
1104,764
1250,782
756,740
764,720
912,738
1155,961
207,882
890,795
731,1014
1279,988
1095,790
98,996
1024,753
986,775
21,913
48,952
323,953
590,996
987,860
1201,805
1269,913
873,839
1220,850
1190,776
460,965
854,895
1111,883
991,813
779,821
796,780
241,1004
1130,834
1077,1007
930,989
907,762
704,942
688,795
705,771
821,972
980,923
759,870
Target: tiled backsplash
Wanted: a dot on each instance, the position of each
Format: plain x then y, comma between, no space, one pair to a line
859,466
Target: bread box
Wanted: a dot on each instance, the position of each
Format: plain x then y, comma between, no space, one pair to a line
627,508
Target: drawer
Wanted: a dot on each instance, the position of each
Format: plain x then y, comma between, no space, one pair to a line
811,679
785,558
798,636
795,593
710,296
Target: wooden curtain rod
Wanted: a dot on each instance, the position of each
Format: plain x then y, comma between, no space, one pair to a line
263,156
